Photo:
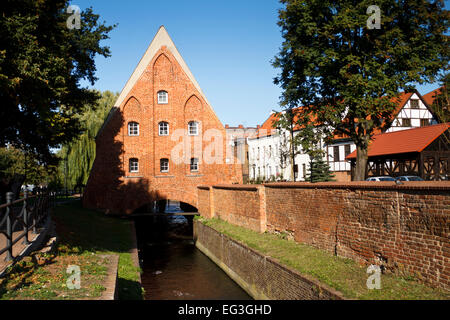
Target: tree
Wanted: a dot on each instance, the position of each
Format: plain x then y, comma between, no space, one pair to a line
319,171
349,75
18,167
42,62
289,143
79,154
441,102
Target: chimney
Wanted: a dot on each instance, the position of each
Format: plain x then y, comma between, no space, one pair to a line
227,126
241,126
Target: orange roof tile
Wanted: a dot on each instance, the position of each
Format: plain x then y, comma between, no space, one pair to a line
404,141
267,128
430,96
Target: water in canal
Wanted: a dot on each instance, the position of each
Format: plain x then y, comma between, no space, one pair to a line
174,269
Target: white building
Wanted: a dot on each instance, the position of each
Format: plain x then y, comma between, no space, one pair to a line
265,156
412,112
265,160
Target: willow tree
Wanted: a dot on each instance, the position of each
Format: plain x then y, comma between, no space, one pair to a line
77,157
347,60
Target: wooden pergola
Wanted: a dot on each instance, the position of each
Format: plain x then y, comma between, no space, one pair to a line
423,152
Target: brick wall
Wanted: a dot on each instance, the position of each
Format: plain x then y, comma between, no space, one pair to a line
403,228
239,205
261,276
111,185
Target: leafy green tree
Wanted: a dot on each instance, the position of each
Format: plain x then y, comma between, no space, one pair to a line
349,75
42,62
19,167
289,142
441,103
77,157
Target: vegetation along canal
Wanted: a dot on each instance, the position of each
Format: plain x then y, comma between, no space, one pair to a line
173,268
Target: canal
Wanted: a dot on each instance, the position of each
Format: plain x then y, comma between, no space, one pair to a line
173,268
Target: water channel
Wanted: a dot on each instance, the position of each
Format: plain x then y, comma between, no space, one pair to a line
173,268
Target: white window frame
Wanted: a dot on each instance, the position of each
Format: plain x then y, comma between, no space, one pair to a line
131,163
163,97
131,126
161,165
194,166
161,130
192,125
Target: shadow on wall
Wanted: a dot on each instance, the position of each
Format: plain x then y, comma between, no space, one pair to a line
107,188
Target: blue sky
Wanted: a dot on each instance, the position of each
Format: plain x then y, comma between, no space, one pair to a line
228,45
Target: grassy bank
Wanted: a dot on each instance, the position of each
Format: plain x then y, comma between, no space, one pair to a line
83,237
342,274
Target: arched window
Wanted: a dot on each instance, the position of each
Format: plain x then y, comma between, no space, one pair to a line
133,129
134,165
163,128
194,164
163,97
193,128
164,165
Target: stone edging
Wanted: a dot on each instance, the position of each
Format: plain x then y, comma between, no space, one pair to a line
111,280
134,251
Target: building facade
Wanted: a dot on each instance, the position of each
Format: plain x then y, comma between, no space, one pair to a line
412,112
267,150
265,159
161,140
238,137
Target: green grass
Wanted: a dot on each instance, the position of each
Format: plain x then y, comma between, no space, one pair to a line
83,231
83,237
342,274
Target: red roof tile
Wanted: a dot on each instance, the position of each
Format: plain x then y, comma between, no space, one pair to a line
404,141
430,96
267,129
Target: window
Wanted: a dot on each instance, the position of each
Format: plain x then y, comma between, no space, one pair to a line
164,165
304,170
134,165
424,122
133,129
295,171
163,129
163,97
347,150
414,103
406,122
194,164
193,128
257,155
336,154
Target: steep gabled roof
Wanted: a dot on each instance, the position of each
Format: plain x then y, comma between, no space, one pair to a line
161,38
267,128
430,96
404,141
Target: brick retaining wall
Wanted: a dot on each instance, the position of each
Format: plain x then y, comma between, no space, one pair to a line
261,276
403,228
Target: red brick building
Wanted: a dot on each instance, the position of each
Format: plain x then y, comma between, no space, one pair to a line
161,139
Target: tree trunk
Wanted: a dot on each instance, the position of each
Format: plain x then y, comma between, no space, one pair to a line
361,163
292,154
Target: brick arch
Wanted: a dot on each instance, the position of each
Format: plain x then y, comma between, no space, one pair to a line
162,194
132,106
162,70
193,104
